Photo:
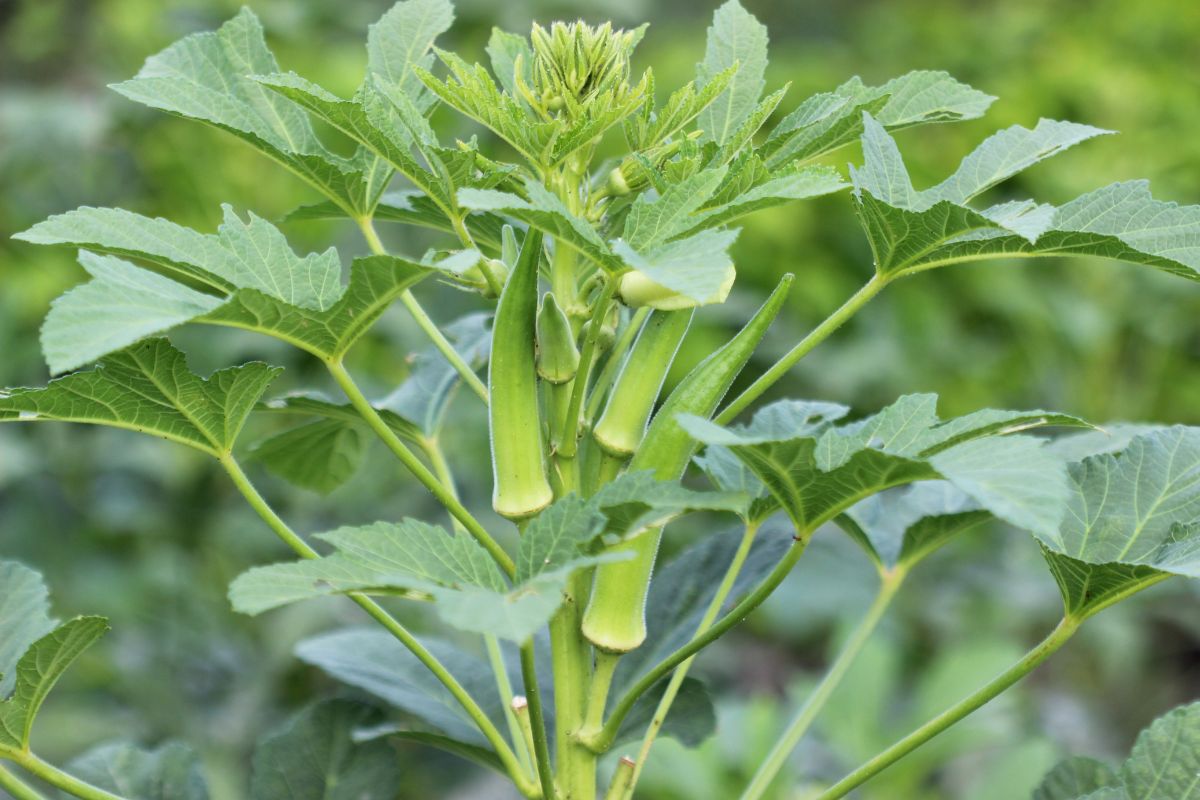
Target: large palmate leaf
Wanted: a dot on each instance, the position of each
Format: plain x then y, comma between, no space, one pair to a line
375,283
372,661
124,303
911,230
24,617
240,255
901,526
313,756
403,38
371,121
653,220
1139,507
752,187
817,470
827,121
206,77
36,673
148,388
319,455
735,39
1164,765
170,772
469,591
1133,519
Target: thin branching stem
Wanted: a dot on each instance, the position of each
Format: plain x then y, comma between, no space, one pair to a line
377,612
956,713
17,787
710,614
803,348
587,357
427,325
60,780
807,713
422,473
608,734
537,719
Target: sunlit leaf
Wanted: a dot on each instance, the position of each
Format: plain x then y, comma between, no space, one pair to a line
912,230
402,38
817,470
734,38
148,388
24,617
206,77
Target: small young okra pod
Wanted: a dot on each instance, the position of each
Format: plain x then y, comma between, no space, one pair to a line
615,619
623,423
557,354
518,456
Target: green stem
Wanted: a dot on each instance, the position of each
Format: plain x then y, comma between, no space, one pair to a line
968,705
602,678
586,358
430,481
572,661
808,712
293,540
604,739
441,468
537,720
621,786
61,780
789,360
16,787
504,687
710,614
426,324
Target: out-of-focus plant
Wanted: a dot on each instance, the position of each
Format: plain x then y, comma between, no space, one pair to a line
597,267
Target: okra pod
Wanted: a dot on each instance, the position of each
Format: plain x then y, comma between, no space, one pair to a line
557,354
621,427
615,619
518,455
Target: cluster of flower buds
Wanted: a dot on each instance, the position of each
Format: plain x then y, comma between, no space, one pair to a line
575,63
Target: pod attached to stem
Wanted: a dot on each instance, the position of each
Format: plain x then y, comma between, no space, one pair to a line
518,455
623,423
615,619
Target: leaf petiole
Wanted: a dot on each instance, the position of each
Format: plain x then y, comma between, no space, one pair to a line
1061,634
16,787
807,713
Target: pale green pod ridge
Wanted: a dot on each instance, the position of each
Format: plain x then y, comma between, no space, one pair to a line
615,619
518,455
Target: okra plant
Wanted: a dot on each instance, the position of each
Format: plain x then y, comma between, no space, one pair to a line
596,210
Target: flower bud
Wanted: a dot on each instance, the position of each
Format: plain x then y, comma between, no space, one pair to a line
637,289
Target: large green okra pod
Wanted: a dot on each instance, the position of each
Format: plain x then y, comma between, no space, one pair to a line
632,399
518,456
615,618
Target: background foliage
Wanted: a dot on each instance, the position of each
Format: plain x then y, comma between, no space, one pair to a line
150,536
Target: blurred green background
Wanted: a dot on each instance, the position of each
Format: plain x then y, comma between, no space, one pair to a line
150,535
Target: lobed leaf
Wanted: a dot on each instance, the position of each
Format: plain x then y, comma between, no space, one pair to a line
817,470
37,671
1164,765
319,455
1139,507
402,39
735,39
900,527
148,388
206,77
912,230
828,121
